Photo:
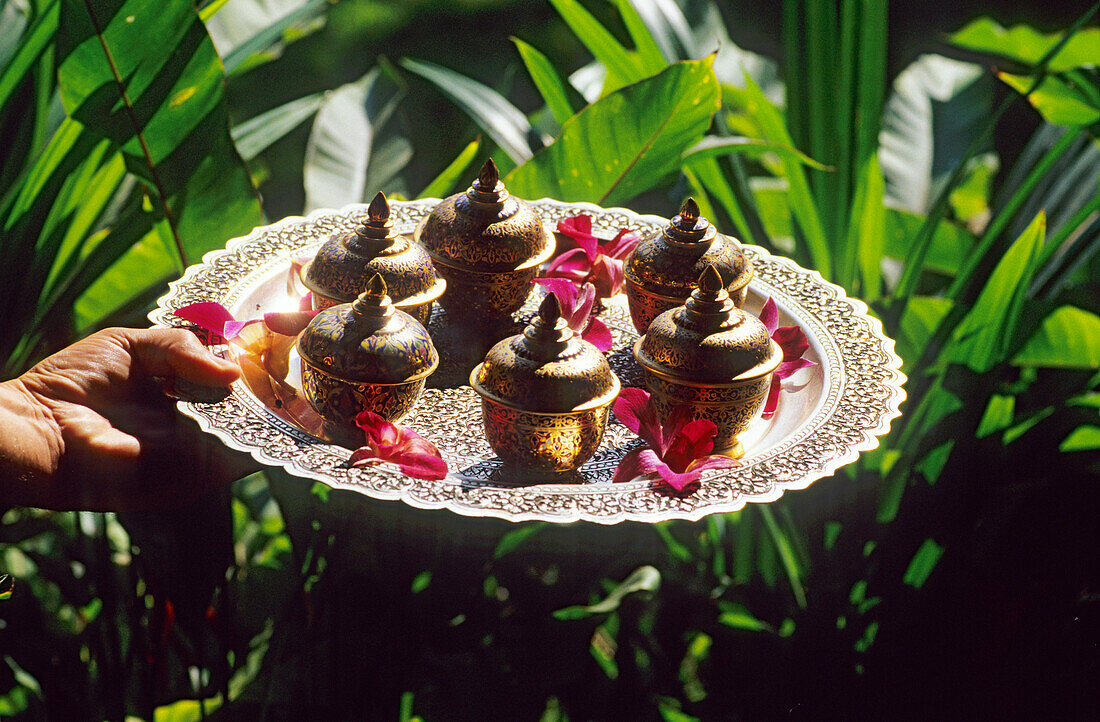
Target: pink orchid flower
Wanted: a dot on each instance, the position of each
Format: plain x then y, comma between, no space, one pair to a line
593,262
679,450
794,343
295,286
265,345
576,309
388,442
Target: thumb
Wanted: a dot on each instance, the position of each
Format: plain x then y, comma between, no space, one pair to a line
177,352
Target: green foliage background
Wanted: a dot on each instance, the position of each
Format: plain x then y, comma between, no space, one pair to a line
954,185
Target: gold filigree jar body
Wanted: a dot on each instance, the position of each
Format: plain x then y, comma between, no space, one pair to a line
711,356
664,267
545,396
345,263
488,245
365,355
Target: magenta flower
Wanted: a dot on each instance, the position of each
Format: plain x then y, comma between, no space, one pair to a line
679,450
388,442
794,343
576,309
593,262
265,345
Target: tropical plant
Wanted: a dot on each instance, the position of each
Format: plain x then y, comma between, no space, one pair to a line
979,256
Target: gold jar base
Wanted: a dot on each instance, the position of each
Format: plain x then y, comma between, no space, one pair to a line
339,401
543,444
730,406
475,297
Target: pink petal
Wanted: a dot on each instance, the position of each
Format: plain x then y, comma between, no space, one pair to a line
634,410
622,244
364,456
306,302
210,315
788,368
599,335
769,315
564,289
670,429
678,480
586,298
569,264
607,276
232,329
422,461
693,442
792,340
379,431
289,323
713,462
637,463
576,227
773,398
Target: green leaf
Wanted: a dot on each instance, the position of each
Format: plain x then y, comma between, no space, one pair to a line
799,197
674,547
922,564
998,415
1068,338
493,113
626,142
250,33
1026,45
738,616
513,539
937,108
716,147
443,183
983,337
254,135
650,58
34,42
642,579
343,140
922,317
546,80
623,67
867,231
1083,438
787,556
1058,101
163,103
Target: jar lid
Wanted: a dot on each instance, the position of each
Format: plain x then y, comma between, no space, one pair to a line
668,262
346,261
486,228
547,368
369,340
708,339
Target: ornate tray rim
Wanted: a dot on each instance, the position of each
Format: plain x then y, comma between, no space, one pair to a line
871,389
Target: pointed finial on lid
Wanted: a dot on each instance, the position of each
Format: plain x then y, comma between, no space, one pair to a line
489,176
550,310
689,214
378,212
710,282
376,286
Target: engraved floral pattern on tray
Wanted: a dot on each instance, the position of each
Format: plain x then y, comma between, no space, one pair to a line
857,392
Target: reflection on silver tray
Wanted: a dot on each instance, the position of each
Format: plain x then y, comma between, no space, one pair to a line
827,414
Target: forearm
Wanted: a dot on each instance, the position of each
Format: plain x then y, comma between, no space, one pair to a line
28,464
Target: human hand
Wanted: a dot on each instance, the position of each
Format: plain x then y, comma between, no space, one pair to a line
88,428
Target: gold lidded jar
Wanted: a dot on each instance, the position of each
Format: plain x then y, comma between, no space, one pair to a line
711,356
488,245
545,396
365,355
340,270
663,268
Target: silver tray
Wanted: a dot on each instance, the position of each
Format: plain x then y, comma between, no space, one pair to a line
827,414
